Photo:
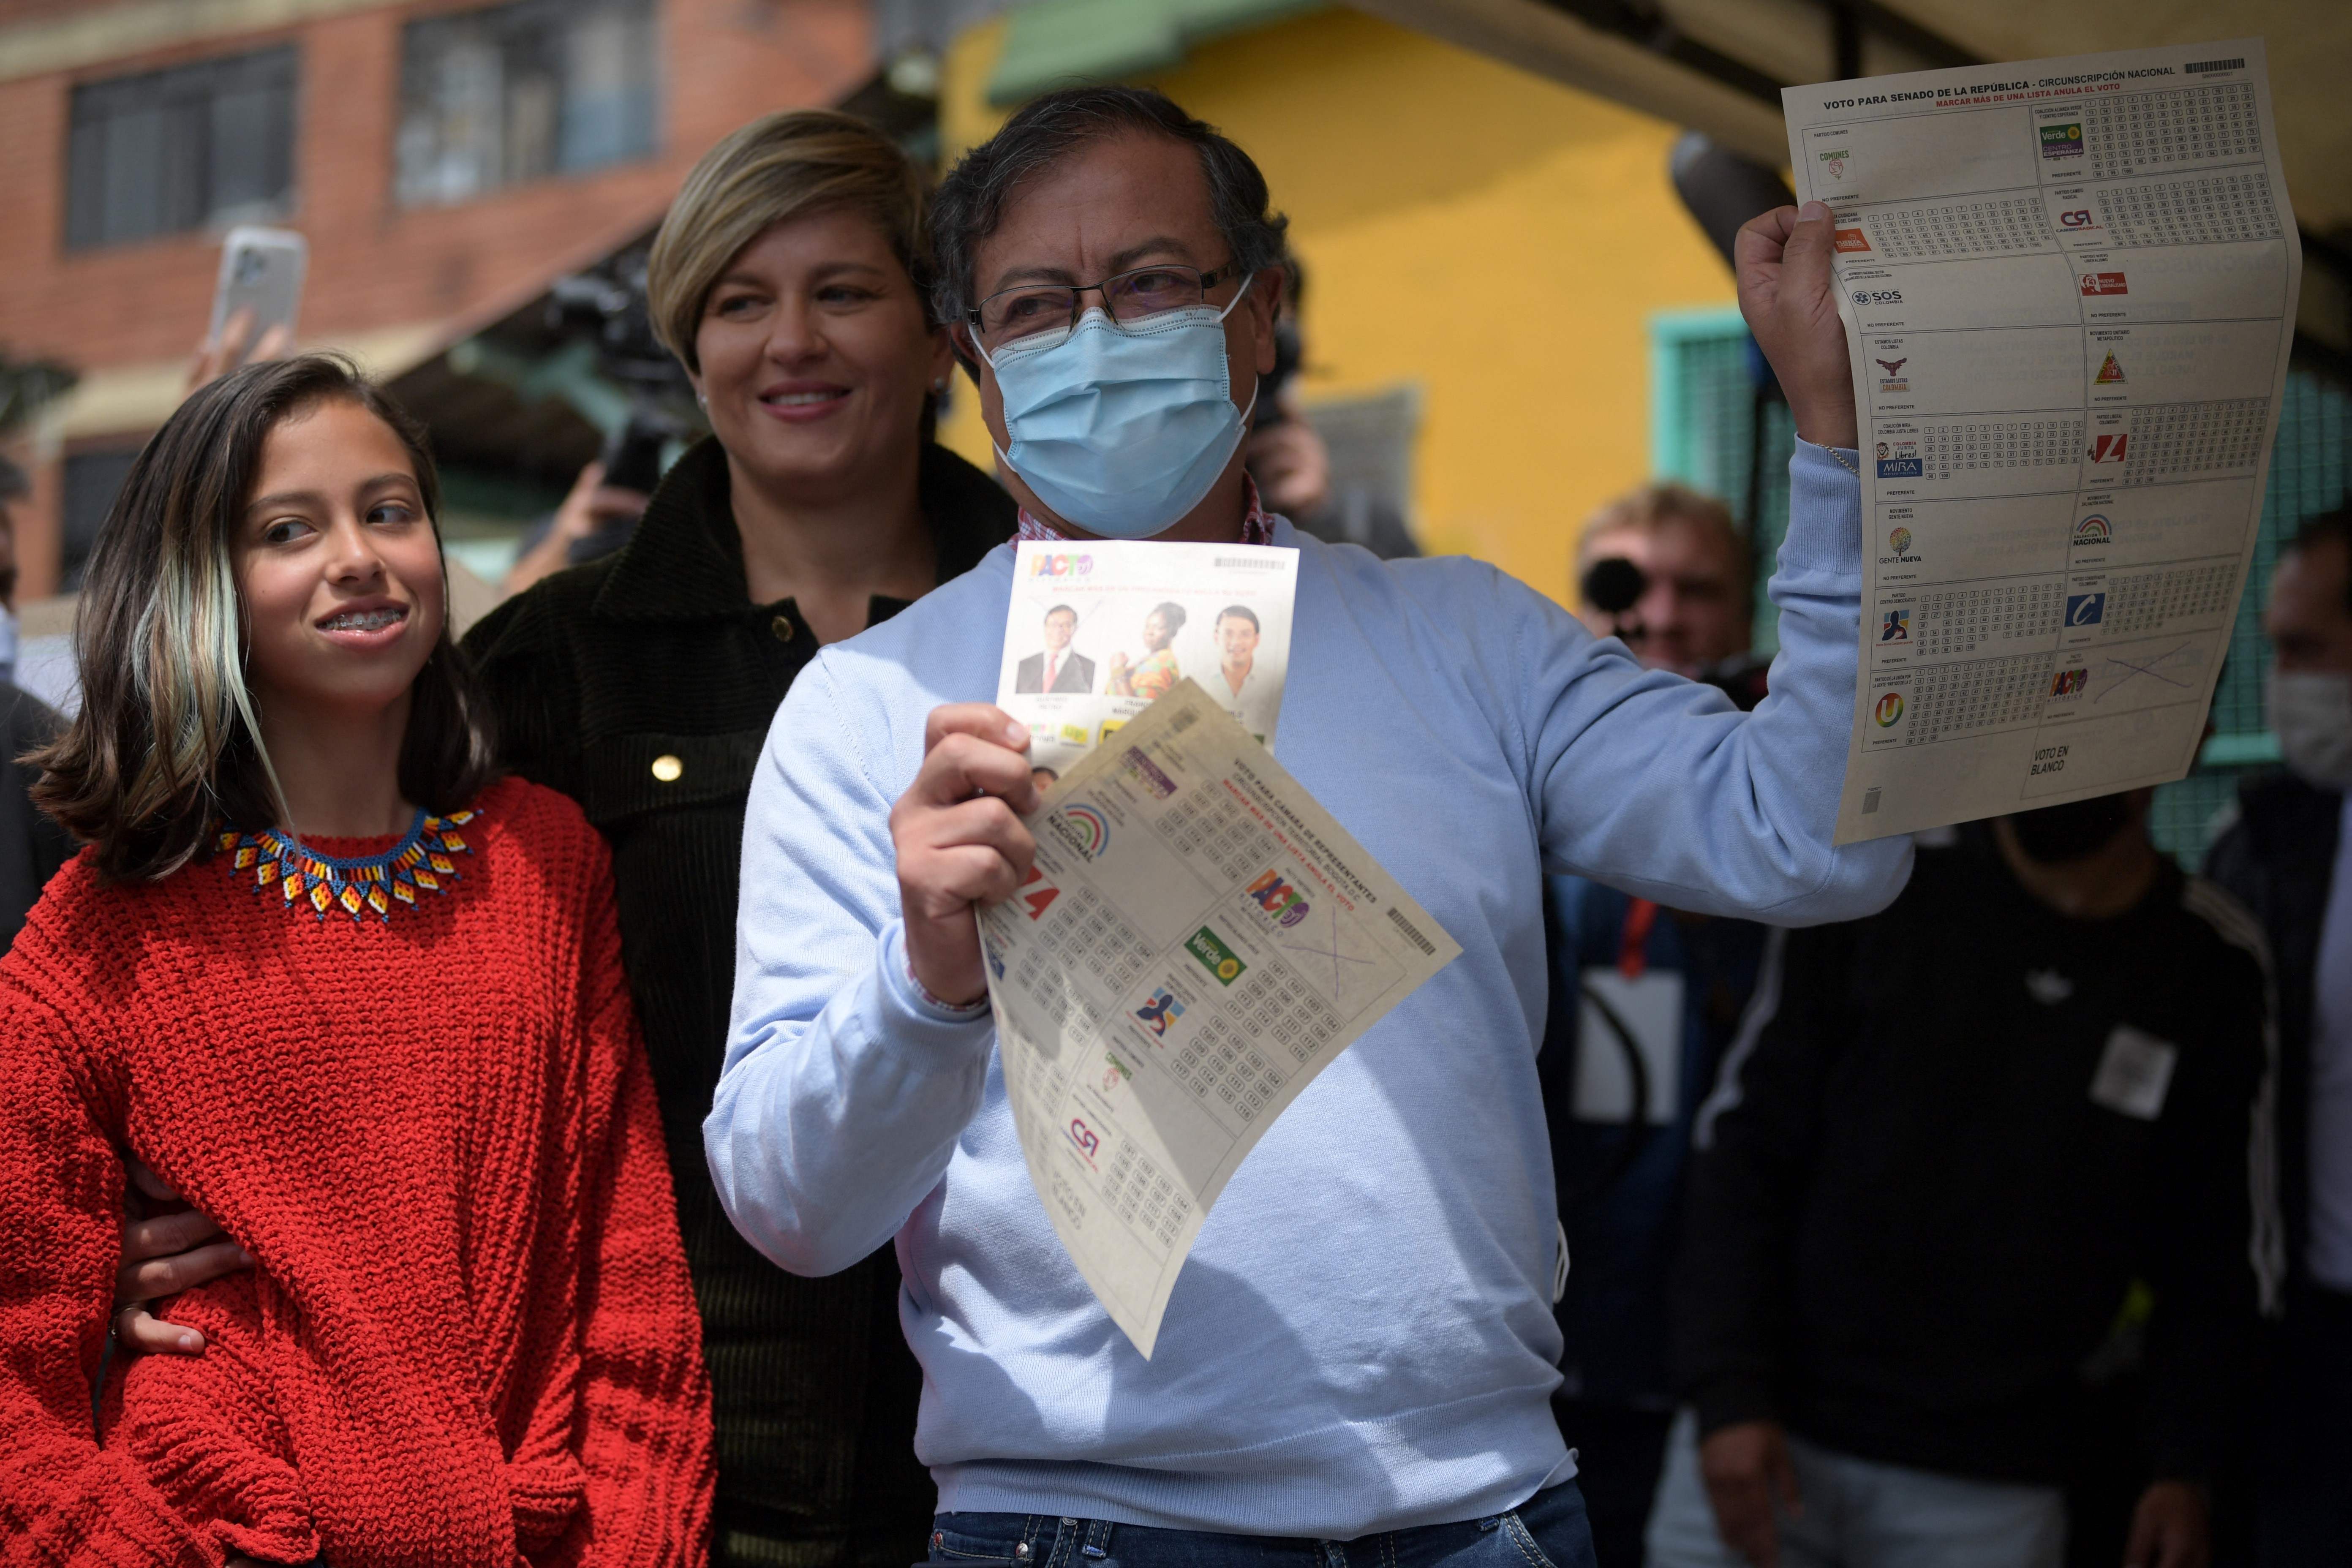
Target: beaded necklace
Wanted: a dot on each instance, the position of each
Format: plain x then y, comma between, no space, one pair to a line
359,883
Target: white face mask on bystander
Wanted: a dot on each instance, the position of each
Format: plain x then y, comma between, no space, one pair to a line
2310,713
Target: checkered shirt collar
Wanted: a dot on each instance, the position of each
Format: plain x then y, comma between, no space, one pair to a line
1257,524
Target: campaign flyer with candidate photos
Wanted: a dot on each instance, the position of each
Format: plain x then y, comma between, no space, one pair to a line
1196,941
1098,628
2069,288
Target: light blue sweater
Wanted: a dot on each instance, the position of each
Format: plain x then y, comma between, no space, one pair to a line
1363,1339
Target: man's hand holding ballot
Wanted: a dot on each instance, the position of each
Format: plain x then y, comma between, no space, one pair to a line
1360,1336
1789,296
2068,290
959,840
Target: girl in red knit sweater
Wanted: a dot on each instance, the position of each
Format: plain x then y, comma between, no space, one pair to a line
363,1007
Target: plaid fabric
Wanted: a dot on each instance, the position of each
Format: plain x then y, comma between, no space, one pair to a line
1257,526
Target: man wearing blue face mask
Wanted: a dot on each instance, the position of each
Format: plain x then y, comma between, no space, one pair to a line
2289,858
1359,1353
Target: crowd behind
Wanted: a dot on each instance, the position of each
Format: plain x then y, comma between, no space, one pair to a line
2011,1224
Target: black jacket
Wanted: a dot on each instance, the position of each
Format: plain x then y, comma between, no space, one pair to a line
2277,859
1917,1211
32,845
642,685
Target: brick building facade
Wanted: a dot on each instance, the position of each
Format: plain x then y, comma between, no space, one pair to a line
403,258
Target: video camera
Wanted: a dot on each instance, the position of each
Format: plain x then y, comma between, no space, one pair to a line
608,305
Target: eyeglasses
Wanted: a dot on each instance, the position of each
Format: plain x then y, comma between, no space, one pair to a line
1051,311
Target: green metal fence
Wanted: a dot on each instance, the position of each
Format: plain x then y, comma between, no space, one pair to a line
1706,422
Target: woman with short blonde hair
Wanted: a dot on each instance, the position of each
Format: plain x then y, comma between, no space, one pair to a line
792,280
770,172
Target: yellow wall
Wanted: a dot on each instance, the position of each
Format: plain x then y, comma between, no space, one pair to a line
1493,237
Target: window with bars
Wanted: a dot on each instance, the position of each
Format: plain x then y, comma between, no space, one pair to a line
197,146
1706,423
92,481
523,91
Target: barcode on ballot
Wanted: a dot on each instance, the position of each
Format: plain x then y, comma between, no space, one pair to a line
1184,720
2193,67
1251,562
1396,919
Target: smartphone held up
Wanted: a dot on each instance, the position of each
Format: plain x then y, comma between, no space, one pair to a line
259,288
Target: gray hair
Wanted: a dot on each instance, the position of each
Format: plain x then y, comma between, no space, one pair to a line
970,201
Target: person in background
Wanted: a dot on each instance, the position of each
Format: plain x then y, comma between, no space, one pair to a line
790,278
1644,1003
32,845
596,519
1698,597
2289,858
335,979
234,347
1291,463
1360,1350
1966,1144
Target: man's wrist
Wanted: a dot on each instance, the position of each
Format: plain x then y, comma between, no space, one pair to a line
973,1008
908,999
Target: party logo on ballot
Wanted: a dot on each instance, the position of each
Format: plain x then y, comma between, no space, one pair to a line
1082,828
1214,956
1278,898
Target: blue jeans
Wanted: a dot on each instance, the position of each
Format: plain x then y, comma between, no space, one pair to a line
1862,1513
1547,1530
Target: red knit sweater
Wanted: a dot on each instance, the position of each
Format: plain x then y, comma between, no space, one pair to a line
471,1339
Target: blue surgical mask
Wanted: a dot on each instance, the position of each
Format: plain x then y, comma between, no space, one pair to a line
1121,430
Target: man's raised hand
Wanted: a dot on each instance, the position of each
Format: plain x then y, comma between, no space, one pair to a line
1789,295
960,841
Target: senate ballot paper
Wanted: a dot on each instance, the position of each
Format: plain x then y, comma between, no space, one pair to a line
1197,941
2069,289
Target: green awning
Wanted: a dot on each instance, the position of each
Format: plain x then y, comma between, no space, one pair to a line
1063,43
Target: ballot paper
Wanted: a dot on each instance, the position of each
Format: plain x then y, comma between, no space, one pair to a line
2069,289
1097,628
1197,940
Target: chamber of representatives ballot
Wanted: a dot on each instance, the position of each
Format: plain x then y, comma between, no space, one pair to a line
1197,938
2069,287
1095,631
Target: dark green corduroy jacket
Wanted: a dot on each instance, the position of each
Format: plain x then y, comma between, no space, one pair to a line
641,685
